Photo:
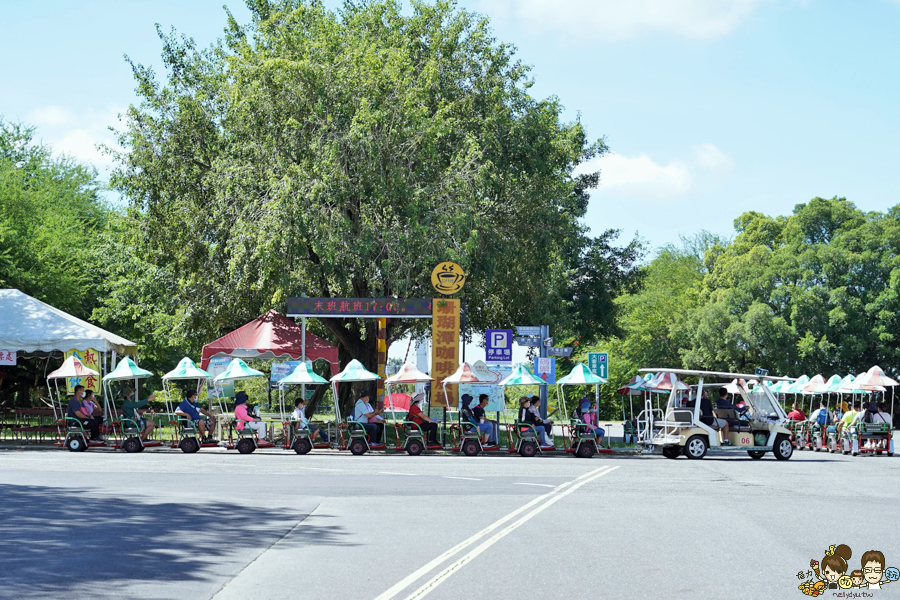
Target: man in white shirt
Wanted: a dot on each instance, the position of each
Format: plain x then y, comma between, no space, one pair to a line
364,413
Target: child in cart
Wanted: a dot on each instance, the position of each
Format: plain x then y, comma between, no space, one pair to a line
299,416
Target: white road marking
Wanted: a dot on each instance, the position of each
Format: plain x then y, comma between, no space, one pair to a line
428,567
392,473
554,498
466,478
540,484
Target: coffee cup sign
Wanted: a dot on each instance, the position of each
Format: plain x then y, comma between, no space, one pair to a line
448,278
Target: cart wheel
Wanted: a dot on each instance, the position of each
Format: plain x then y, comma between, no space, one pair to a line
415,447
756,454
470,448
358,447
189,445
76,444
133,444
696,447
890,453
783,449
586,450
671,451
302,446
245,446
528,448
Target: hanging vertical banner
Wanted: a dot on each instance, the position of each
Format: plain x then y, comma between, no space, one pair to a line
444,349
382,357
91,359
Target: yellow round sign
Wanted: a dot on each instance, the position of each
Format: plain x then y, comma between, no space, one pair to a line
448,278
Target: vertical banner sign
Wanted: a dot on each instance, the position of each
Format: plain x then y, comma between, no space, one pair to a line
91,359
598,364
444,349
382,358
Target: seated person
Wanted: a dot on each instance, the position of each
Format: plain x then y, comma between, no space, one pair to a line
364,413
243,418
130,411
467,417
75,410
425,423
707,417
299,415
585,412
848,417
91,407
532,415
484,424
796,414
821,416
191,409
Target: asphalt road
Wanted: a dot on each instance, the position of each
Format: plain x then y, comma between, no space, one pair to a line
220,525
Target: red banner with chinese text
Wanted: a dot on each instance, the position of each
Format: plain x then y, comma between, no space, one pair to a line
444,349
91,359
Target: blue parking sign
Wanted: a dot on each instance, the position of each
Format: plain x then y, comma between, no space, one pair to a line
498,345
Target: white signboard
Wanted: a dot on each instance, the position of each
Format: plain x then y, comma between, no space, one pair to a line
280,370
493,374
217,366
7,357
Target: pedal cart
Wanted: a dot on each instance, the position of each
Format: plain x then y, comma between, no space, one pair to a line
126,433
465,435
245,439
870,438
527,441
413,438
583,439
71,431
757,429
357,440
184,433
296,436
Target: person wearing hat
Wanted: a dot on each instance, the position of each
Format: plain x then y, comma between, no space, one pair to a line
364,413
425,423
244,419
130,411
588,415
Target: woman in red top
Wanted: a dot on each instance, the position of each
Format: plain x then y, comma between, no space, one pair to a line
428,425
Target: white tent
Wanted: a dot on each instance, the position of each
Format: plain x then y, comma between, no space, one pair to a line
29,325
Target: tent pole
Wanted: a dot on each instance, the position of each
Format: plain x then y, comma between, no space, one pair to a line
303,353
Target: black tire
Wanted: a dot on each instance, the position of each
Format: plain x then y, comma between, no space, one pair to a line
528,449
783,449
245,446
415,447
696,447
756,454
672,451
76,444
586,450
133,444
302,446
470,448
189,445
357,447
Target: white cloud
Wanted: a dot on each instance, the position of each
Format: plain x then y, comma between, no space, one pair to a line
77,134
641,177
610,20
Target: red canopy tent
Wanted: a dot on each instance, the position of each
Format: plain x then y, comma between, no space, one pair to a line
271,335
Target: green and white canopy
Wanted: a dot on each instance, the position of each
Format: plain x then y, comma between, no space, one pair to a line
833,384
522,376
186,369
354,371
302,375
238,369
797,386
126,369
580,375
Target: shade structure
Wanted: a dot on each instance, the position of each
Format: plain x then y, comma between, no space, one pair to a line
665,382
29,325
302,375
355,371
735,386
875,377
408,373
628,389
852,384
797,386
186,369
463,374
834,382
522,376
816,385
271,335
72,367
238,369
126,369
398,401
581,375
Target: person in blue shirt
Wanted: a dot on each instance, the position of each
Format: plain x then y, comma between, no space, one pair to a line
191,409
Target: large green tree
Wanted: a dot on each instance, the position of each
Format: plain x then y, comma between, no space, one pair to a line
344,154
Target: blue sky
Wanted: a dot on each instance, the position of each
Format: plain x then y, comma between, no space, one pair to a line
711,107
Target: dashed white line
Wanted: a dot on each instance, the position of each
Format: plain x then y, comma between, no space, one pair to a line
466,478
392,473
540,484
